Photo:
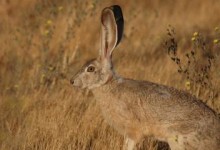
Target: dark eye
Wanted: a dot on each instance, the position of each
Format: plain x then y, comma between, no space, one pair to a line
91,69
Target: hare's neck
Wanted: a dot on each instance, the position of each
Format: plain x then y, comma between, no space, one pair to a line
105,89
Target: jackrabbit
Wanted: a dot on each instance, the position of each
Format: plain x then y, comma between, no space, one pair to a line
141,108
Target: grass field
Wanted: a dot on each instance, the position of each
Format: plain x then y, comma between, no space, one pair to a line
43,43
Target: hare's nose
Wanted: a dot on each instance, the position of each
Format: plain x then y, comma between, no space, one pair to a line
72,81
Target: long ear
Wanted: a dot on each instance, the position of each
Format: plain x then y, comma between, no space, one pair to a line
112,24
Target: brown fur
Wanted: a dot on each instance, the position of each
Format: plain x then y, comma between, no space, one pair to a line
141,108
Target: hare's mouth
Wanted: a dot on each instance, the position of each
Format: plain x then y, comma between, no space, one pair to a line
79,87
77,83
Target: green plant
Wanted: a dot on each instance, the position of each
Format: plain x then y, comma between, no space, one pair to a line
198,65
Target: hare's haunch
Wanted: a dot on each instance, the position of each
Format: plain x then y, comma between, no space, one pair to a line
141,108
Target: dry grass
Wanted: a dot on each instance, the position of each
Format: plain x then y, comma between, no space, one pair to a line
43,43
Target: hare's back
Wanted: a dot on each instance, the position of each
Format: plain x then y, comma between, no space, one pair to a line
163,102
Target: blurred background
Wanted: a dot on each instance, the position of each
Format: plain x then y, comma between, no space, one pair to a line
43,43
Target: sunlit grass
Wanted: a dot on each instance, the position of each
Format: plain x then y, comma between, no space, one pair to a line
43,43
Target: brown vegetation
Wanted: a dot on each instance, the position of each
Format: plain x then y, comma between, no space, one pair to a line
43,43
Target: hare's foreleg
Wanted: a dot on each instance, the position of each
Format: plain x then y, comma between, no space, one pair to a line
177,142
129,144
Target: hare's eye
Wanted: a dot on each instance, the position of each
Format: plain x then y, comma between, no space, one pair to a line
91,69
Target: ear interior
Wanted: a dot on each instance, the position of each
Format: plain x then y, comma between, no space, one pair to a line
109,32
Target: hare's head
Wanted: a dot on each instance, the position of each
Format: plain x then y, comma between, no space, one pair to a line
99,71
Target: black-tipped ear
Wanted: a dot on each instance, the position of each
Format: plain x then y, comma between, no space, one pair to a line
112,24
119,21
